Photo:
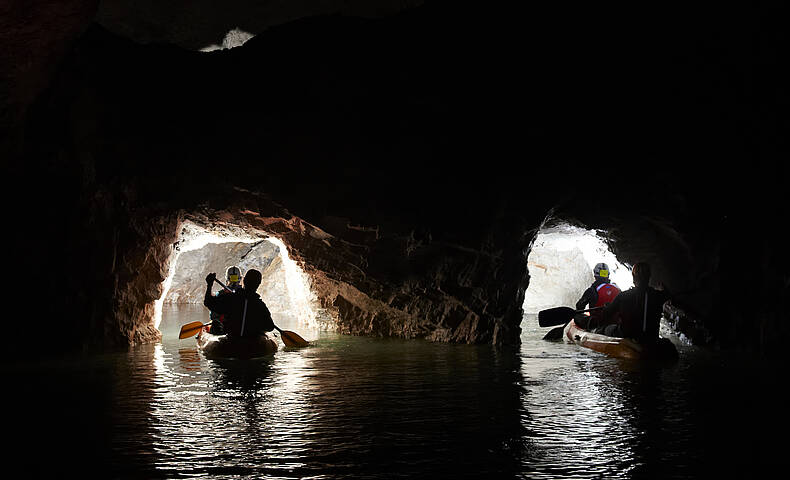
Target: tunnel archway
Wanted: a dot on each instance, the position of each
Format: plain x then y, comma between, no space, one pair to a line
199,250
560,263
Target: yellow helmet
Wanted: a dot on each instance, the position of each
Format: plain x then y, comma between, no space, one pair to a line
234,274
601,270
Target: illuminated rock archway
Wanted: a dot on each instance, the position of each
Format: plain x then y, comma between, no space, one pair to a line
200,250
560,265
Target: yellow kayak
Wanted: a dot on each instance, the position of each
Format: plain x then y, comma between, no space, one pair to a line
619,347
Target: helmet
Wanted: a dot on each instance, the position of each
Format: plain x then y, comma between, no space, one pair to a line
234,274
601,270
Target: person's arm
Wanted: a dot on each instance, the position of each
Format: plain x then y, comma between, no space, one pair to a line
210,301
268,323
585,300
212,314
263,318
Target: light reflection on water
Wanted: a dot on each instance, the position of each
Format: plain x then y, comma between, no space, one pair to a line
352,407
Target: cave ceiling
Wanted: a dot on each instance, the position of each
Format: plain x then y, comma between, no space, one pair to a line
194,25
446,128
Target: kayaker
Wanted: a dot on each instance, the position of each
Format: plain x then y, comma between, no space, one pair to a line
601,292
636,313
233,277
245,314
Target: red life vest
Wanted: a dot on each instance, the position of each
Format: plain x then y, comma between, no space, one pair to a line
606,293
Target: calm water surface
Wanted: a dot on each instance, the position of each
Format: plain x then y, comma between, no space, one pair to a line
352,407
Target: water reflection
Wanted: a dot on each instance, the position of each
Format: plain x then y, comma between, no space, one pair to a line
596,417
352,407
189,359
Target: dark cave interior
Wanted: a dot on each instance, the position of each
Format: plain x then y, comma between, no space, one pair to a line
406,159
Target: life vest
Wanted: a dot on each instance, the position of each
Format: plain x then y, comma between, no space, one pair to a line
606,293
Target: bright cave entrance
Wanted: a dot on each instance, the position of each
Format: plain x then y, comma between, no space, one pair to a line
285,287
560,265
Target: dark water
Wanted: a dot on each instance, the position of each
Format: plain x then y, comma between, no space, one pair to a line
351,407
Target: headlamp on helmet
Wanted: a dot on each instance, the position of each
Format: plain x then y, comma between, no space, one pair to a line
601,270
234,274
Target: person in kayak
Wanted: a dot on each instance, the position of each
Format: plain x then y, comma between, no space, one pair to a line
245,314
233,277
601,292
636,313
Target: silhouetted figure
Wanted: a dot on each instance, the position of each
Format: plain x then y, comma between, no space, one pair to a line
233,277
636,313
601,292
245,314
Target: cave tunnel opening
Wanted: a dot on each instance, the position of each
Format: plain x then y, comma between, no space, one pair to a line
561,263
200,250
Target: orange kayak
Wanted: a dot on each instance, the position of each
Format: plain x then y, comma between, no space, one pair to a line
225,347
619,347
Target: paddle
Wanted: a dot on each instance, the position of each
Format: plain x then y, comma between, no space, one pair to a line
290,339
191,329
555,333
559,315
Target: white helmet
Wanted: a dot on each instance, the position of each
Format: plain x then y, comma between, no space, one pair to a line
601,270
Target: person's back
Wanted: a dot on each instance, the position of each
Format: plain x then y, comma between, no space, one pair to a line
640,310
245,314
233,277
600,293
637,310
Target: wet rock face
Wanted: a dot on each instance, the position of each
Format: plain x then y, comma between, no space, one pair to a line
391,284
404,162
99,291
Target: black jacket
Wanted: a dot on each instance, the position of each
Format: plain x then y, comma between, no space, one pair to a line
255,321
638,311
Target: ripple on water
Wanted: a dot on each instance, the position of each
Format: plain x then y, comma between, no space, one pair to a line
352,407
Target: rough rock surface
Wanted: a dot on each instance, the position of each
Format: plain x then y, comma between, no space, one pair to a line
406,162
436,295
187,285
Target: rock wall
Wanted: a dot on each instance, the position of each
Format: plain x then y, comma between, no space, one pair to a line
406,162
384,286
188,284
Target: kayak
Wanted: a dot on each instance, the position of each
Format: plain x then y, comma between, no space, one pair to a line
225,347
619,347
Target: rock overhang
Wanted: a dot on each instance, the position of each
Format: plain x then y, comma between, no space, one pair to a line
403,180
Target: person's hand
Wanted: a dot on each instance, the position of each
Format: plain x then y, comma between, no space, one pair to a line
210,278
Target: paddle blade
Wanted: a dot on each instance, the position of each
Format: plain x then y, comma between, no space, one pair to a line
190,329
291,339
555,333
555,316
